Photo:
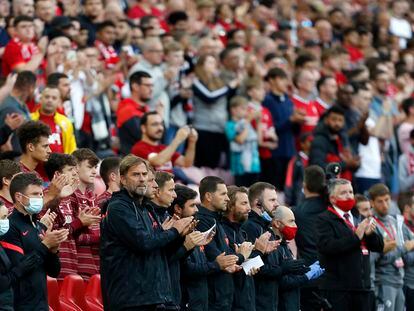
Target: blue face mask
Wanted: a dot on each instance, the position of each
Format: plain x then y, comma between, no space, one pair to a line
35,206
266,216
4,226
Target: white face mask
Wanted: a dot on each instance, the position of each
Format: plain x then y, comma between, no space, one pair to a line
35,205
4,226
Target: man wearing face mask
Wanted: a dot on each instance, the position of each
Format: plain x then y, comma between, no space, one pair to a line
283,225
9,274
263,200
330,145
343,241
26,237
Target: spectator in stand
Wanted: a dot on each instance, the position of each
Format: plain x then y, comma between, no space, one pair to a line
23,7
132,238
163,157
131,110
406,167
22,241
302,99
327,88
65,165
389,263
285,119
243,139
84,199
369,172
12,122
283,225
16,101
45,10
21,53
62,82
295,172
178,21
8,169
306,214
267,137
233,61
152,57
109,172
351,43
332,64
324,29
343,241
331,145
34,141
105,39
93,14
399,24
62,138
210,112
407,125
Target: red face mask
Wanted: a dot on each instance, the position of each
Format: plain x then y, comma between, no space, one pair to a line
289,233
345,205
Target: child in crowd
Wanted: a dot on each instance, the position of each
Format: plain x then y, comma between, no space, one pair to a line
244,150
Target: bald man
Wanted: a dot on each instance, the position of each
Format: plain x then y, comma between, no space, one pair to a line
284,225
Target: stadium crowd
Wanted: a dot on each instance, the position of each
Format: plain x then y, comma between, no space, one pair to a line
209,154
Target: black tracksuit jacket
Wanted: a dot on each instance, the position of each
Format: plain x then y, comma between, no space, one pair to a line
22,240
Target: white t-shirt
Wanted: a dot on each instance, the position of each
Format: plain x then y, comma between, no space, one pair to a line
401,28
370,156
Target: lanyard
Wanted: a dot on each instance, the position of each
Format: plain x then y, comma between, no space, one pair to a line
392,236
347,222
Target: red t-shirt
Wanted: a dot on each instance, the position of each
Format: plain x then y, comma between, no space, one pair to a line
16,53
355,54
145,151
312,114
267,122
137,12
55,139
321,106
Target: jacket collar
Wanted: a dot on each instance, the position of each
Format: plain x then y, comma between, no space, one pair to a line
253,216
204,211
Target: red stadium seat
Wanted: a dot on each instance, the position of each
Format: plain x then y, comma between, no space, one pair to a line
93,293
53,294
72,293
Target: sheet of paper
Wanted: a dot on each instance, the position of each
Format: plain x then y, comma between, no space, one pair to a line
208,232
249,264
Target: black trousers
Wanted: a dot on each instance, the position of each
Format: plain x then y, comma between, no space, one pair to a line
308,300
409,298
348,300
211,150
274,171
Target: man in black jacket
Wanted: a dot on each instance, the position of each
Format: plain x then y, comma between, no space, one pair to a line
237,212
214,199
263,201
342,242
331,145
134,266
306,215
284,225
22,241
196,268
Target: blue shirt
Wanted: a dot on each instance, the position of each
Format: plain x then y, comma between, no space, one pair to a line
281,108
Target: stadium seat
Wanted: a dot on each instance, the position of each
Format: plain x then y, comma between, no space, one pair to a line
53,294
72,293
93,293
